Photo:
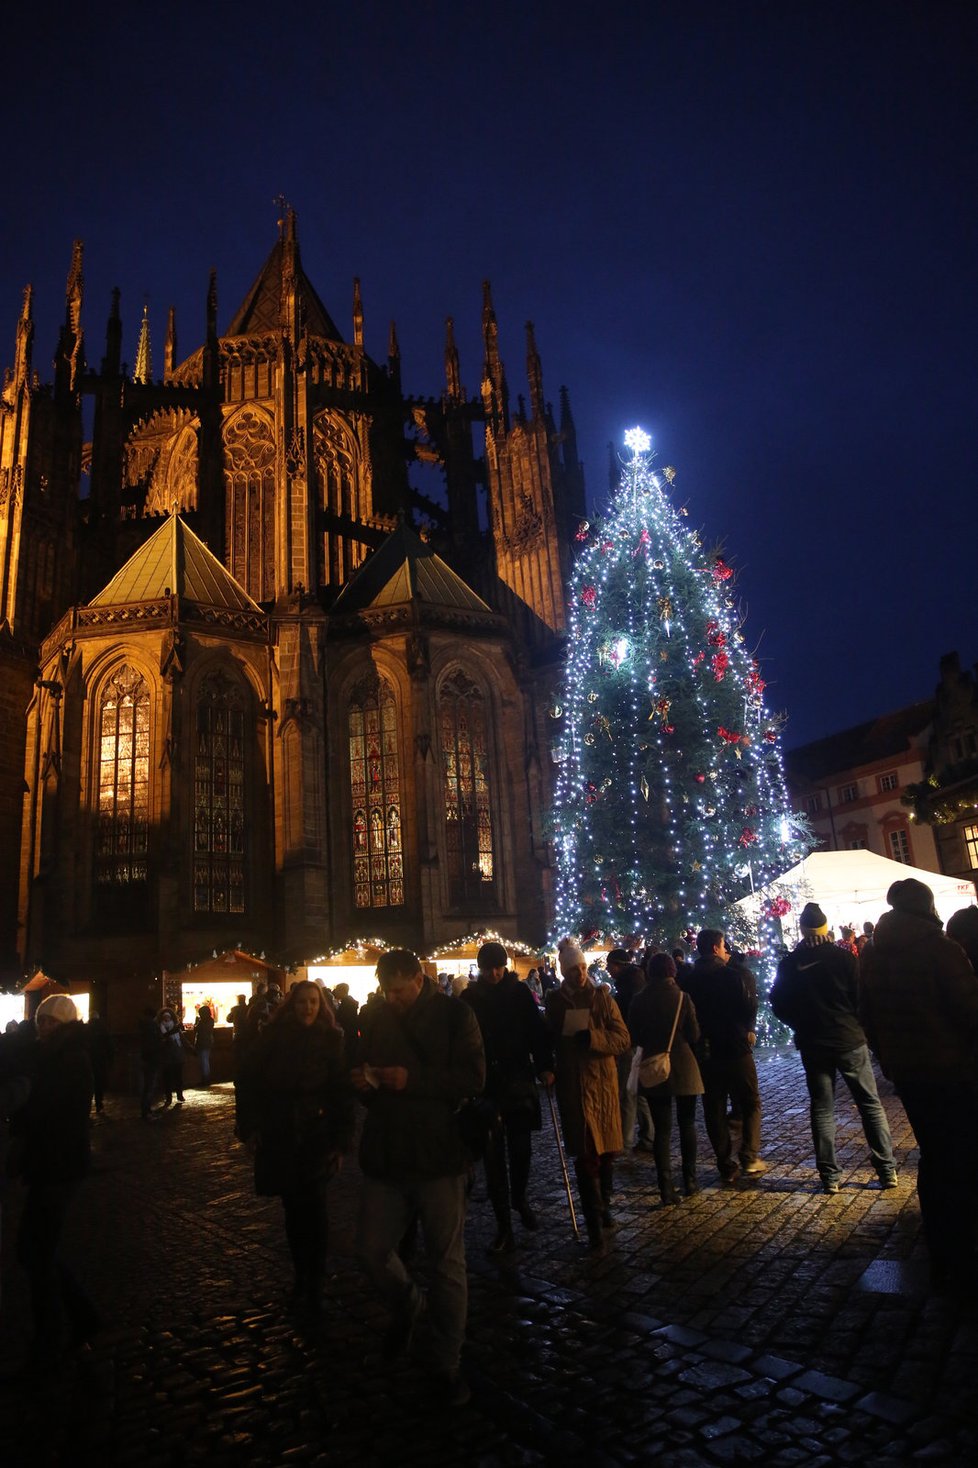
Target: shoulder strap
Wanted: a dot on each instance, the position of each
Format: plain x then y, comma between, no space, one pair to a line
675,1022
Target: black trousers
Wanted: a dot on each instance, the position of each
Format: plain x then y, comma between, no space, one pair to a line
945,1122
307,1231
507,1186
56,1295
737,1078
660,1106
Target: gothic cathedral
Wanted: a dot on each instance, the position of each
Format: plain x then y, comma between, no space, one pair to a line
258,690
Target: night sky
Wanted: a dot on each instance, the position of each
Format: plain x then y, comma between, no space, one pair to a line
751,228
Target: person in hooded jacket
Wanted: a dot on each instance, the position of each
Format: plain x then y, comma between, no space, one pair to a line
651,1019
295,1110
919,1008
518,1049
52,1152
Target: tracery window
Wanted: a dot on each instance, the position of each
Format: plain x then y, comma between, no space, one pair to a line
468,815
219,797
375,785
123,782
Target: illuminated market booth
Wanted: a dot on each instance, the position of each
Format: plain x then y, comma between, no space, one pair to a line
218,981
354,965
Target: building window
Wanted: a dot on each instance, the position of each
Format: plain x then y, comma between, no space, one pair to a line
858,843
899,845
848,793
468,816
123,784
813,804
970,834
889,781
375,784
219,797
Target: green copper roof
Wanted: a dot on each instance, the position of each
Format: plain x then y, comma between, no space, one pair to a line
401,570
174,560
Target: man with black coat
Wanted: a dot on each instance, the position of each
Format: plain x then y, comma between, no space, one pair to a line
420,1055
518,1048
816,992
725,996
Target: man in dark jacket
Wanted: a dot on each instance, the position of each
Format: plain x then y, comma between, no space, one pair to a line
421,1055
518,1049
919,1007
816,992
347,1010
725,996
51,1137
629,980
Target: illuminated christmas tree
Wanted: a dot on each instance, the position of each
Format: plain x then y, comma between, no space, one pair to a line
671,802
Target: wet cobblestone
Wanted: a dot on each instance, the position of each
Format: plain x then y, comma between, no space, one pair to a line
737,1327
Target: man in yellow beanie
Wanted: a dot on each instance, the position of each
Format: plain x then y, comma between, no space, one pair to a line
816,992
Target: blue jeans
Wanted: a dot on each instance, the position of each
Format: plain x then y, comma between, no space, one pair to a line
856,1069
386,1210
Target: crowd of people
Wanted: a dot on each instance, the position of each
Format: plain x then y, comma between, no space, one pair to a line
447,1076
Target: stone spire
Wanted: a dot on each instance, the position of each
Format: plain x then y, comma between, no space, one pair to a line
170,344
495,394
453,376
357,313
144,353
534,373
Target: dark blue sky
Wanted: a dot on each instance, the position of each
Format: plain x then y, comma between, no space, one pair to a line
749,227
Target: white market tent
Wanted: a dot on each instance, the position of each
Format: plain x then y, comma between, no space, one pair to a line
851,886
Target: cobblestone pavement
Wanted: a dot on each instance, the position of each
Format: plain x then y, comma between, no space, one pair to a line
767,1323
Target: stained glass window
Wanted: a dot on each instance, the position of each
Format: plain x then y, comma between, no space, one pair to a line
468,814
219,797
375,785
123,782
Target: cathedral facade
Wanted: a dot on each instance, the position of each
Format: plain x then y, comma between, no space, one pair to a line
259,690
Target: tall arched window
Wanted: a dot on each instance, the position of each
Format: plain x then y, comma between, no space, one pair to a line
219,796
123,783
375,785
468,815
249,484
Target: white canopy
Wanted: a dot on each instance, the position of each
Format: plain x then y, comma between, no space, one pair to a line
851,886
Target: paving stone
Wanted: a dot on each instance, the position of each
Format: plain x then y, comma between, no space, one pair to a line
890,1409
832,1388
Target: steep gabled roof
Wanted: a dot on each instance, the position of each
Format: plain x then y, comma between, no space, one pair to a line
881,738
261,310
403,569
175,560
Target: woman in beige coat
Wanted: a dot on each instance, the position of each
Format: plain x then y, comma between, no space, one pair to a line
589,1032
659,1007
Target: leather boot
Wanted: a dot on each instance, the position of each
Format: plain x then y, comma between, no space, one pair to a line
667,1189
690,1185
606,1179
587,1186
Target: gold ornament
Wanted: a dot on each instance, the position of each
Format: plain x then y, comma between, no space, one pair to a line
670,473
665,608
697,866
663,656
589,739
556,712
644,787
592,697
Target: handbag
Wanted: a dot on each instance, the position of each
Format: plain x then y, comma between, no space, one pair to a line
654,1070
478,1122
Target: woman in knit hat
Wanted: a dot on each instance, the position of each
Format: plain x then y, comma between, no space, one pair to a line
52,1147
589,1032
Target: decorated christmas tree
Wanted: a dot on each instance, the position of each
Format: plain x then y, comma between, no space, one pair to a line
671,802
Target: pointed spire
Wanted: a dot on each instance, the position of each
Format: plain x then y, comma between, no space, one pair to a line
212,306
170,344
357,313
25,340
74,289
144,352
112,361
393,357
534,373
453,376
568,432
495,395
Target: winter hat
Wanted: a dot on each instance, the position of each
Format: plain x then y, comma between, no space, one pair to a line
571,957
57,1007
912,896
813,918
619,955
492,955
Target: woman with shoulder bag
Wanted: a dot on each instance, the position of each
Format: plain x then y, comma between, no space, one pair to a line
295,1112
659,1012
